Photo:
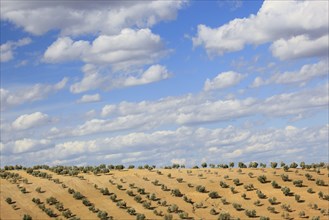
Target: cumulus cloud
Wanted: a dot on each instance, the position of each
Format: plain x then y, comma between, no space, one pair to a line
127,49
223,80
105,17
7,49
27,121
300,46
93,79
220,144
90,98
200,109
306,73
28,94
24,145
285,23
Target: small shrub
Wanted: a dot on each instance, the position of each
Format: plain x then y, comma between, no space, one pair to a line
310,190
223,184
173,208
27,217
201,189
264,218
213,195
249,187
237,206
271,209
274,184
51,200
250,174
176,192
257,203
180,180
308,176
78,195
298,183
236,182
122,204
67,213
140,216
319,182
224,216
213,212
183,215
9,200
86,202
38,189
286,191
244,196
297,198
262,179
138,198
131,211
250,213
260,194
284,177
286,207
232,189
302,214
272,201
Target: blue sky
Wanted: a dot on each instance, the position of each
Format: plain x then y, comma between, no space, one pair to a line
163,82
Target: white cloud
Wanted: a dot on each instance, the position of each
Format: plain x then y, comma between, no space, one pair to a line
306,73
223,80
28,94
65,49
27,121
25,145
300,46
93,79
153,74
129,48
7,49
200,109
105,17
90,98
274,21
213,145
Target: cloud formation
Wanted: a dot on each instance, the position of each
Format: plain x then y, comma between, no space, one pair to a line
100,17
28,94
284,23
7,49
223,80
90,98
27,121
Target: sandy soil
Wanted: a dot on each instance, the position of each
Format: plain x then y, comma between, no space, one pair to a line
209,178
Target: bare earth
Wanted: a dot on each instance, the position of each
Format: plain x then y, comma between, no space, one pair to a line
209,178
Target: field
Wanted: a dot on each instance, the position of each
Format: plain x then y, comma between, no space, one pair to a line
166,194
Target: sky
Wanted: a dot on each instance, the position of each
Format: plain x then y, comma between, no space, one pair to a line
162,82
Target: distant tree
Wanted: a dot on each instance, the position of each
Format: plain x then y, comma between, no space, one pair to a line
293,165
231,164
27,217
274,165
204,165
213,195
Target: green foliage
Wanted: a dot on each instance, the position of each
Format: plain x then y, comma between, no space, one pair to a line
201,189
224,216
274,184
298,183
285,191
27,217
9,200
213,195
176,192
250,213
262,179
274,165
